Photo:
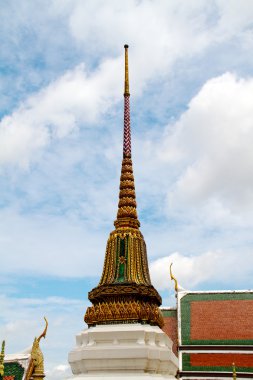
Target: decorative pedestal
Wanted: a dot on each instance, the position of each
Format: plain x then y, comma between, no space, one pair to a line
129,351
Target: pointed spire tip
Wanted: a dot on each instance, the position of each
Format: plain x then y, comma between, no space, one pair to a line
126,92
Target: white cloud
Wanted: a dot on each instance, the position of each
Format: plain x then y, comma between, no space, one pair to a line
156,37
235,17
212,143
195,271
77,98
159,33
189,271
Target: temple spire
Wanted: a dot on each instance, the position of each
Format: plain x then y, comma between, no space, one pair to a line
125,293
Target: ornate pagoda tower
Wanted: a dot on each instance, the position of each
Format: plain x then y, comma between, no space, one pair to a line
124,336
125,293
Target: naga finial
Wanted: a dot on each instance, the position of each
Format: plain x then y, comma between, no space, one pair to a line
36,366
2,359
234,371
173,278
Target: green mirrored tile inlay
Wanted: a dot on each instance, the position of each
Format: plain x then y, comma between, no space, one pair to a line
122,254
169,313
13,369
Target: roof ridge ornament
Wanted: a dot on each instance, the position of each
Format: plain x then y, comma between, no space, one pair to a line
43,335
36,366
173,278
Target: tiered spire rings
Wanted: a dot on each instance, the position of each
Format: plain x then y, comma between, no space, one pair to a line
125,293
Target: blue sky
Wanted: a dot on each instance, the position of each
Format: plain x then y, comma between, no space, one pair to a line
61,123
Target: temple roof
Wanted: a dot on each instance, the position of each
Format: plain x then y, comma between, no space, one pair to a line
213,331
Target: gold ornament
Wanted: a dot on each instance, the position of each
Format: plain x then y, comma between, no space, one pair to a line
36,366
173,278
234,371
2,359
124,312
126,92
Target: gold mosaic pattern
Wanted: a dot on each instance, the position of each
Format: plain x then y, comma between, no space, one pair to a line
137,265
128,311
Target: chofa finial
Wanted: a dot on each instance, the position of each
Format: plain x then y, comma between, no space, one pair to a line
173,278
36,366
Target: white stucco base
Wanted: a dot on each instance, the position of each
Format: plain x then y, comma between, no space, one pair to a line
120,375
128,351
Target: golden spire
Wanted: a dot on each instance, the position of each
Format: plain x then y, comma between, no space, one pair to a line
127,213
2,359
126,92
173,278
125,293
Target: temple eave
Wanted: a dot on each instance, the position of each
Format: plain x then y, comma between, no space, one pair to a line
125,290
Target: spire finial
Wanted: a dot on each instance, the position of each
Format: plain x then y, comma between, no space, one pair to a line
234,371
127,213
2,359
126,92
127,124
